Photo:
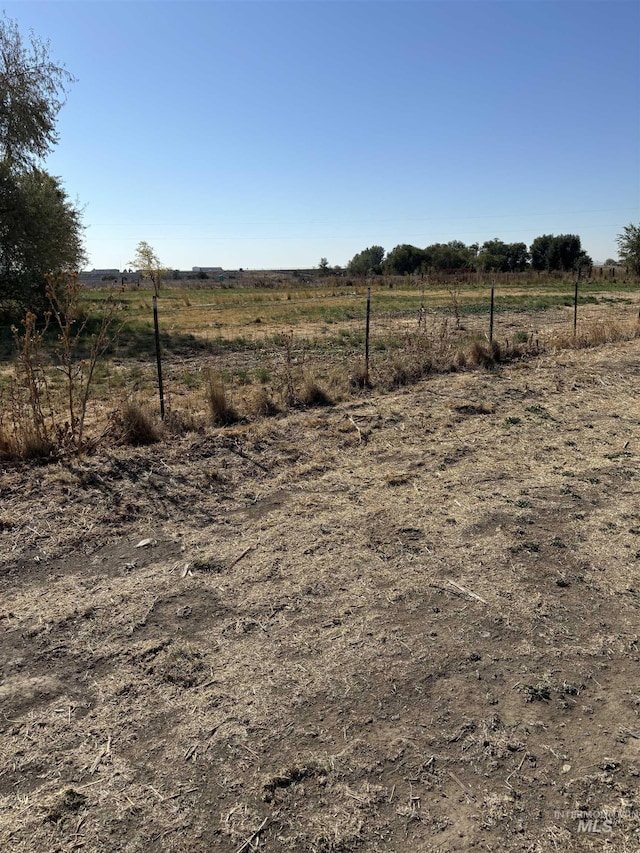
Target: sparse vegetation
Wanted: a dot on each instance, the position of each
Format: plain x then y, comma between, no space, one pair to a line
282,592
290,353
137,425
221,409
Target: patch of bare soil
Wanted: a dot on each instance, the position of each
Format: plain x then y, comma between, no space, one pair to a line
408,622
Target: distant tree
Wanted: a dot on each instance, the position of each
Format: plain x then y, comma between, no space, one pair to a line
629,246
323,266
32,91
562,252
610,262
367,262
453,255
405,260
502,257
148,263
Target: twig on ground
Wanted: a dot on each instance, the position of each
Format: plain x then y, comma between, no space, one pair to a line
244,554
239,452
245,844
358,430
461,784
517,770
467,591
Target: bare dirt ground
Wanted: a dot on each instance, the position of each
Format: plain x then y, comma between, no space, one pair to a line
406,622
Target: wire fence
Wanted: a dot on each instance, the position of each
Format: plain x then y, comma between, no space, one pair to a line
244,337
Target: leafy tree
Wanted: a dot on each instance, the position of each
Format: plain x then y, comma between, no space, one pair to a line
32,91
405,260
40,234
502,257
453,255
629,246
562,252
40,229
367,262
323,266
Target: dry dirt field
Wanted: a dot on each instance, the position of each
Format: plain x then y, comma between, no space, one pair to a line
408,622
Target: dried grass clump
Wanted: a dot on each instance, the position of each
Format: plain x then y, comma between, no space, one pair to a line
596,333
7,445
261,404
22,441
460,358
482,354
407,368
138,425
181,421
221,409
360,380
313,394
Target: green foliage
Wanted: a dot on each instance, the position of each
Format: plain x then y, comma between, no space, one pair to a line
629,246
40,229
32,91
367,262
563,252
40,234
502,257
453,255
406,260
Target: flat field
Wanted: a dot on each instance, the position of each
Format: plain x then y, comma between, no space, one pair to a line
407,621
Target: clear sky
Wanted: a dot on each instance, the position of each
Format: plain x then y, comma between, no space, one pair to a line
271,134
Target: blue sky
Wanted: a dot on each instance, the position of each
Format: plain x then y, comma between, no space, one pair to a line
271,134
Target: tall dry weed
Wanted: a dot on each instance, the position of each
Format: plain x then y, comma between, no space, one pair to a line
138,425
41,421
221,410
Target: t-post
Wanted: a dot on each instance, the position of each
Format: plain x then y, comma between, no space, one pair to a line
493,287
158,356
366,339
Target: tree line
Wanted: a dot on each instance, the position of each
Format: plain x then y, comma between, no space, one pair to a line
547,253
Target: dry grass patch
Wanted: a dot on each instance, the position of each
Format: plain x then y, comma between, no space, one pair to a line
137,425
221,410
